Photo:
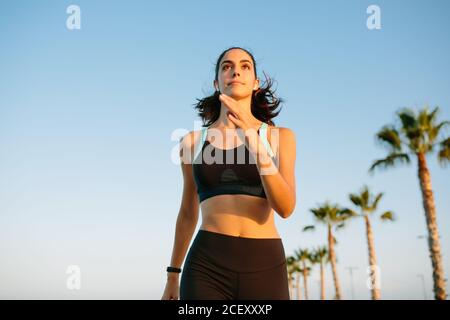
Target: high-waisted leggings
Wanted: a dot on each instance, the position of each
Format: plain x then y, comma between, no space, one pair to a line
220,266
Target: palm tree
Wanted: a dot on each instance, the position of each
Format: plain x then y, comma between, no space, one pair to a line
367,204
418,134
292,268
320,256
298,272
333,217
303,257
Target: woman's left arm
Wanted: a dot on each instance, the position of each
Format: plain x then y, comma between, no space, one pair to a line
278,183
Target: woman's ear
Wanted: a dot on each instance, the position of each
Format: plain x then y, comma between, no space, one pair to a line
256,87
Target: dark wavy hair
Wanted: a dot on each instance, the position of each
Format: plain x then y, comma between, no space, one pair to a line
263,106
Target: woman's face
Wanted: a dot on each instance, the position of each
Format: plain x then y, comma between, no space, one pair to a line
236,75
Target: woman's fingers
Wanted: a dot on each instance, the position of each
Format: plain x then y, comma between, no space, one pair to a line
228,103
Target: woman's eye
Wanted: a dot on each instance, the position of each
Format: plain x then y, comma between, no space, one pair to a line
244,66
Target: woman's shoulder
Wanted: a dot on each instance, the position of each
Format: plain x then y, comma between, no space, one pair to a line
280,138
188,142
283,132
189,139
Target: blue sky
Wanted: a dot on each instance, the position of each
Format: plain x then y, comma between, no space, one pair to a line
87,116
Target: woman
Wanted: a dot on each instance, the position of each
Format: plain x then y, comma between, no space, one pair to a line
237,252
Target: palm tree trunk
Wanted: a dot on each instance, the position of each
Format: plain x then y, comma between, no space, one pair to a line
433,234
290,288
322,282
305,280
374,276
299,297
337,287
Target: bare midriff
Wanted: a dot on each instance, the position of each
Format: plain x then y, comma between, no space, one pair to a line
239,215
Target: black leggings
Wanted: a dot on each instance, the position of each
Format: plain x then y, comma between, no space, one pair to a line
220,266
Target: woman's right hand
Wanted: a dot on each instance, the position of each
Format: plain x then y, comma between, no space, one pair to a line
172,289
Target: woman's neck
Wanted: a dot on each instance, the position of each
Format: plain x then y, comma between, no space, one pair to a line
224,122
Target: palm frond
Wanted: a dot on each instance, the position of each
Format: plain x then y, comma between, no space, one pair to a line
365,197
331,214
434,130
340,226
425,118
411,128
408,119
390,137
444,152
355,199
433,115
319,255
390,161
375,202
319,214
387,216
346,213
303,255
309,228
430,128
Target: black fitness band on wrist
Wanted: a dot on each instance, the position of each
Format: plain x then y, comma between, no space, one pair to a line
172,269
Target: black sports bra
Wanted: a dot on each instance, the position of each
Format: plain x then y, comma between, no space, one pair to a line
224,171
